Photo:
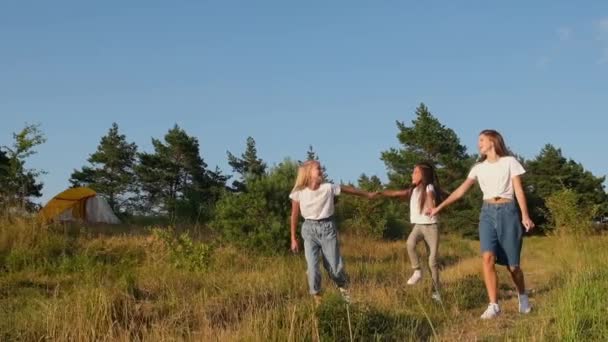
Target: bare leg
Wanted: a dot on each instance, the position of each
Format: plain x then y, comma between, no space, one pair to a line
489,276
518,278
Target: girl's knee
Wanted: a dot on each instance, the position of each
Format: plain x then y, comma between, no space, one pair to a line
433,260
411,243
514,269
488,259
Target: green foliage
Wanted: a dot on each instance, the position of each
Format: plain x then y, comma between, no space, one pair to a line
174,179
339,321
18,183
184,252
249,166
551,172
377,218
111,172
259,218
427,140
569,214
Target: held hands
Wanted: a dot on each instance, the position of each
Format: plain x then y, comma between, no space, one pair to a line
372,195
432,211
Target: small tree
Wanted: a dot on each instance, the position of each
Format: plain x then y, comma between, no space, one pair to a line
249,166
550,172
174,180
111,173
258,219
568,214
18,183
378,218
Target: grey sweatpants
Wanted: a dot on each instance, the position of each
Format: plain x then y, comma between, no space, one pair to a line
430,234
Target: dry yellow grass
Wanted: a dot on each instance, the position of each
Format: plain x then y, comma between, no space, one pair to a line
72,285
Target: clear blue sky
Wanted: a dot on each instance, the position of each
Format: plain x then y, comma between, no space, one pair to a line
328,73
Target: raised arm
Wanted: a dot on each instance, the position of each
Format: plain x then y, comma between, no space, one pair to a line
397,193
295,215
523,205
354,191
454,196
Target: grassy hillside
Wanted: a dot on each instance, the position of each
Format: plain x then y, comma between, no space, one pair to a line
82,283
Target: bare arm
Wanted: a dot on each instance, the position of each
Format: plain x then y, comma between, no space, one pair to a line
430,199
295,214
523,205
396,193
454,196
354,191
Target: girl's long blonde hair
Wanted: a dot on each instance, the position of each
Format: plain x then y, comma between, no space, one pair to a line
304,179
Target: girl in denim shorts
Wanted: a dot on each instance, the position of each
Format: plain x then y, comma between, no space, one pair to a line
314,199
500,224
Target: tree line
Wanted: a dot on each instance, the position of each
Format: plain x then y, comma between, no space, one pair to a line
173,181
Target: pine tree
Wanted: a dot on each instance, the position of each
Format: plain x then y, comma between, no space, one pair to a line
111,172
19,184
175,180
551,172
248,166
427,140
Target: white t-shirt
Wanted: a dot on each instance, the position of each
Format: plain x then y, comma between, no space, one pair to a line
496,178
417,217
316,204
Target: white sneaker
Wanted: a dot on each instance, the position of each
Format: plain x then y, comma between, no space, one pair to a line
415,277
345,295
524,304
436,297
492,311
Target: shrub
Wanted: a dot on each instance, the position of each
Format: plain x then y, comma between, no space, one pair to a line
184,252
258,218
568,215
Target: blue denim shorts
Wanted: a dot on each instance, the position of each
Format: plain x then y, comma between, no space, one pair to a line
501,232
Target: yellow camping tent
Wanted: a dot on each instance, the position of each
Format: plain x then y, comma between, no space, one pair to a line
74,198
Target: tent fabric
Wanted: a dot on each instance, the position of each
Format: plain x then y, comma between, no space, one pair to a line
78,204
99,211
67,199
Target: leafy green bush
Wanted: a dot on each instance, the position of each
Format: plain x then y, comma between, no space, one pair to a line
378,218
568,215
184,252
258,218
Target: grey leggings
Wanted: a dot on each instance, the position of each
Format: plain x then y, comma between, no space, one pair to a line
430,234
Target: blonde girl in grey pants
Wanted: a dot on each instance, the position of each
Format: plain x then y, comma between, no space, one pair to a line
312,198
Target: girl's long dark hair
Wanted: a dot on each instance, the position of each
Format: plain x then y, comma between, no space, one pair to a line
429,176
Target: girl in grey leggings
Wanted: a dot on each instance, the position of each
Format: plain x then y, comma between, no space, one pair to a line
424,194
